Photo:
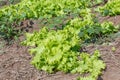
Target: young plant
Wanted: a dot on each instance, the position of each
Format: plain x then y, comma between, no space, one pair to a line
59,51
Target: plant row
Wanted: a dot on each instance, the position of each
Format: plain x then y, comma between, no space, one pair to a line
59,50
35,9
112,8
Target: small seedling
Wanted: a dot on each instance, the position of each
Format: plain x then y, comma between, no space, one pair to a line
113,49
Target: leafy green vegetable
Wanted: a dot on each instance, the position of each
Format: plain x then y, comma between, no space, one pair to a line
112,8
36,9
59,50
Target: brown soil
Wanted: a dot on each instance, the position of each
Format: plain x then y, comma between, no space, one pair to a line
110,57
15,58
15,61
7,2
114,19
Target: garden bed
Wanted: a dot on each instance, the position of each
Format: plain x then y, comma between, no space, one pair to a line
15,58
